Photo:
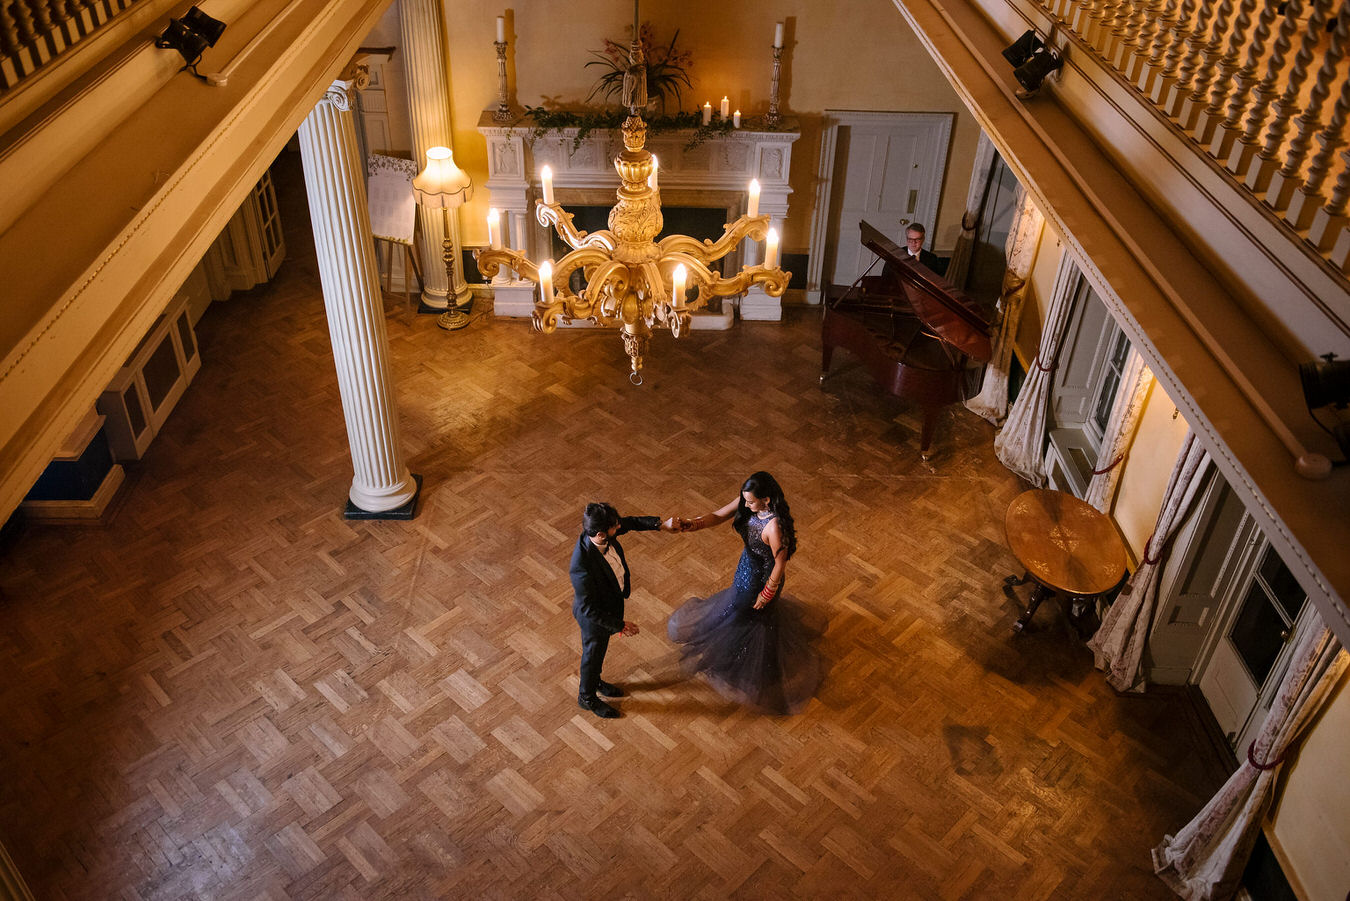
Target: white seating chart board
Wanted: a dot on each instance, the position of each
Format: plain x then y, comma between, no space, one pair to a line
393,210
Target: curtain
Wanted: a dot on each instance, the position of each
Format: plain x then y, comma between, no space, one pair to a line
1135,381
1020,444
1205,859
958,269
1118,646
1023,238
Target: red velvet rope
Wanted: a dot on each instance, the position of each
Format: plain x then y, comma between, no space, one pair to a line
1114,464
1262,766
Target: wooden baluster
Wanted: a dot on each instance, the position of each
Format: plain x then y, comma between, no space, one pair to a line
1245,79
1115,34
1151,69
1284,182
1185,82
1195,100
9,30
1268,160
1134,62
1128,38
1328,230
1304,206
27,27
1180,35
1211,115
1084,15
68,20
1265,92
1099,32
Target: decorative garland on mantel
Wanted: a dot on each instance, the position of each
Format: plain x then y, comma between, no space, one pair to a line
540,121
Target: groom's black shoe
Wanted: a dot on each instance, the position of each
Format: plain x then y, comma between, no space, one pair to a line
610,690
598,707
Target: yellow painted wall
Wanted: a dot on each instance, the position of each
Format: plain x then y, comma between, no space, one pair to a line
1312,815
1039,292
849,54
1147,469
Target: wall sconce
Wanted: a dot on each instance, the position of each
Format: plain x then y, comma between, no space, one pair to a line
1032,61
190,36
1326,383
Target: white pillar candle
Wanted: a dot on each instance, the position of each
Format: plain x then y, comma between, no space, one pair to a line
546,281
656,167
777,34
752,208
707,112
494,229
678,286
546,176
771,249
736,119
726,107
501,30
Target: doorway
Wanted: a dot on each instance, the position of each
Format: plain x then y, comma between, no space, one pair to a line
885,168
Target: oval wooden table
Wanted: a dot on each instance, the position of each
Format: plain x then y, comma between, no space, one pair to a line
1066,546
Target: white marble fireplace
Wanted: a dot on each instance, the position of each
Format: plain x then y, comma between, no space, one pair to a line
713,175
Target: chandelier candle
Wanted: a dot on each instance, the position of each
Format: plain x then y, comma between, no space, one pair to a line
752,208
546,281
546,176
678,286
771,249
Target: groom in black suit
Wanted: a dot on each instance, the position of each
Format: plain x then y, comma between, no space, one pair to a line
600,584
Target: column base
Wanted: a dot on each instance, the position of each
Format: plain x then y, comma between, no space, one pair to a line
407,511
758,305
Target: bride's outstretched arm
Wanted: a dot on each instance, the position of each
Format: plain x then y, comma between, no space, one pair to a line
715,518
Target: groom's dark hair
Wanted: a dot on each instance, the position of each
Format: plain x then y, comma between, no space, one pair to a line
598,518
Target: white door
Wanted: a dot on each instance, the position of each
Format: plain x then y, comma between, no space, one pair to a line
888,170
1251,643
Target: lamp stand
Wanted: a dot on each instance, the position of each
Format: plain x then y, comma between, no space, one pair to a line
453,317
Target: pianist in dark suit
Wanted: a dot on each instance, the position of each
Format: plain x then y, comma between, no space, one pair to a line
914,238
600,584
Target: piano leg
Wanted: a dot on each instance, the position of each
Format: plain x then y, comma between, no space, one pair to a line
930,415
826,352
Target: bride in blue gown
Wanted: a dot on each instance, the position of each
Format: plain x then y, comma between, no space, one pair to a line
753,644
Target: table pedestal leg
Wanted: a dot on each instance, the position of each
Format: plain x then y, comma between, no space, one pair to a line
1039,594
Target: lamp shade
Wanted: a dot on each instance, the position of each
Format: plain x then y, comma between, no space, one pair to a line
441,184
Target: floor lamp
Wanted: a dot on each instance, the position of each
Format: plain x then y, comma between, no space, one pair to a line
443,185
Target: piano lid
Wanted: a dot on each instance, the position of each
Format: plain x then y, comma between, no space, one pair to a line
947,311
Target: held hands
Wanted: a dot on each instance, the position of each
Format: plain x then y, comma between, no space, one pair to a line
673,524
629,629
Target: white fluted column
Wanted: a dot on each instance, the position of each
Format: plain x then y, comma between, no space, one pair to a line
335,184
424,65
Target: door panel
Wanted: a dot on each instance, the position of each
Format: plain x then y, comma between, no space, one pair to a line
888,170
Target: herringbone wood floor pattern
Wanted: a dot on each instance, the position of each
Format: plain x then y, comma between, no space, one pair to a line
228,691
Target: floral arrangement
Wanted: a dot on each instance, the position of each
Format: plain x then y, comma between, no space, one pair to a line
666,67
585,122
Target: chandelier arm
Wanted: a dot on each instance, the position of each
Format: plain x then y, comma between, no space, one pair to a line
553,215
610,277
490,263
755,228
775,282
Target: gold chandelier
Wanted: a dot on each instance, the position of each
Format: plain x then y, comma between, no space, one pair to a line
632,280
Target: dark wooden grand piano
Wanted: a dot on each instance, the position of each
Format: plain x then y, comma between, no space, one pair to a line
919,337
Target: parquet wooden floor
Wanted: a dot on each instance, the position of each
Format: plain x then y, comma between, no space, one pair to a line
228,691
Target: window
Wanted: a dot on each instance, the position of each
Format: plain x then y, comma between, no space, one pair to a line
1088,377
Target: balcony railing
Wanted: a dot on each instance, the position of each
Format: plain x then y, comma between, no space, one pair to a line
1260,86
35,32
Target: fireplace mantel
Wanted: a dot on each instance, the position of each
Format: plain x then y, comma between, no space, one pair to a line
713,174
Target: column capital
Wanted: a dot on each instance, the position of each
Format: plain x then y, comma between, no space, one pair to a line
355,77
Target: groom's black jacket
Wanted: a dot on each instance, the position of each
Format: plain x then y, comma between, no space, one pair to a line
598,600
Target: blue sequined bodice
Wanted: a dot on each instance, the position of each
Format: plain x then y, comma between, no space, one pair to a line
757,559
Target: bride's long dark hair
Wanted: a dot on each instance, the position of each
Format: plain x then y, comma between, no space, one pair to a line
761,484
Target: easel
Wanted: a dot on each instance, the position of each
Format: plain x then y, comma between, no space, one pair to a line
410,264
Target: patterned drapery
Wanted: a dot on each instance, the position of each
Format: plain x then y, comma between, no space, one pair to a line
1118,646
1205,859
958,268
1135,382
1023,238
